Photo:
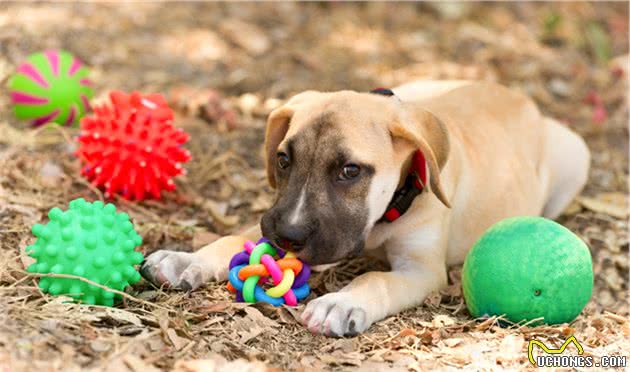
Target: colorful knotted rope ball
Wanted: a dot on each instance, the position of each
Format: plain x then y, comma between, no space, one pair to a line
252,268
131,147
51,87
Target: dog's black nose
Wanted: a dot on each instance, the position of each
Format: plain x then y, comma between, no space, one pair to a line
292,237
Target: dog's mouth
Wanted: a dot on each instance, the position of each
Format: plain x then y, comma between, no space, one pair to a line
288,245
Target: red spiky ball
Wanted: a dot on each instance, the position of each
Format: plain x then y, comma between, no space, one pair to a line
131,147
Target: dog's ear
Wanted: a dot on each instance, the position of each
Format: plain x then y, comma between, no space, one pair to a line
427,133
277,127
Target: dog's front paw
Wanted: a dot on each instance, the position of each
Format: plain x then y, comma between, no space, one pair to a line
335,314
174,269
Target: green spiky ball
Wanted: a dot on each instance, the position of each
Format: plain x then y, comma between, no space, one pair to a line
89,240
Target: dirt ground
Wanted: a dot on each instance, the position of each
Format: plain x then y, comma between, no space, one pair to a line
223,67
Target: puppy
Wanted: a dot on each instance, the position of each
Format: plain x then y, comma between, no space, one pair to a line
416,176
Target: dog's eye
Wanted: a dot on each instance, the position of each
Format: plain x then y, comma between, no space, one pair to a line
349,172
283,160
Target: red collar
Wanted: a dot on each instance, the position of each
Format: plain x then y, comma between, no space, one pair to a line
414,185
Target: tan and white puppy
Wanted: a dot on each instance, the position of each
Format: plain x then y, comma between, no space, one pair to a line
336,159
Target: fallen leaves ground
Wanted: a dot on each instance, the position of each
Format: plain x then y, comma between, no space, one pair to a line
224,67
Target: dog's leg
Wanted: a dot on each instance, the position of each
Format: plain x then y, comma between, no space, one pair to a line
189,271
418,267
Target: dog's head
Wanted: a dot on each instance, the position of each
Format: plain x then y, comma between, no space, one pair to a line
336,159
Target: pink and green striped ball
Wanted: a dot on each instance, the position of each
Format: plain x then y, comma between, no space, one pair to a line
51,86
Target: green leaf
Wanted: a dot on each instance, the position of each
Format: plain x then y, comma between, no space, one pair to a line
598,41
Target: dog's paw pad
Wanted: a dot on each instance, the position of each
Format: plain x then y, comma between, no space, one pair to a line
356,319
173,269
335,315
191,278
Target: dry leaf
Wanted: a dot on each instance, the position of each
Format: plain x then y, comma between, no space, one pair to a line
433,299
442,321
259,319
178,342
196,45
100,346
137,364
248,103
617,209
426,336
246,35
339,358
573,208
51,173
286,316
251,333
217,212
406,332
452,342
261,203
216,307
121,315
116,365
217,363
156,344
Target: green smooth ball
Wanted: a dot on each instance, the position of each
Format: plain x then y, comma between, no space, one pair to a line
99,251
528,268
50,86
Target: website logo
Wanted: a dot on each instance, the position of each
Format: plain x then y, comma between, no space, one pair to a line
558,358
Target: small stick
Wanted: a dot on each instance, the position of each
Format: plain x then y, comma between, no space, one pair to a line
617,318
530,322
123,294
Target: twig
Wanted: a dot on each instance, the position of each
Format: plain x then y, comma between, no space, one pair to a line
90,186
59,129
23,279
123,294
617,318
486,323
185,349
530,322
